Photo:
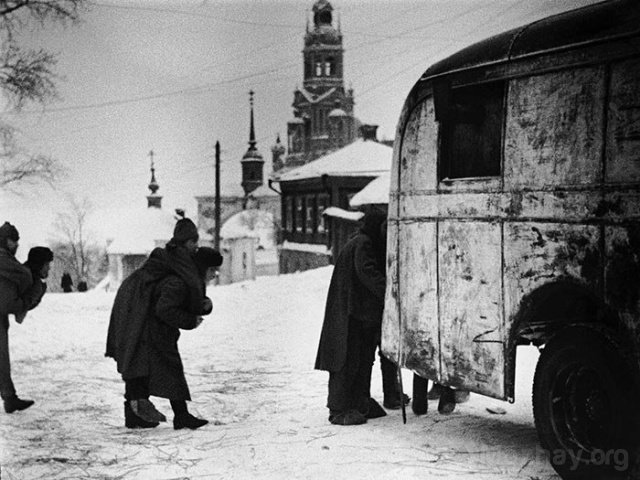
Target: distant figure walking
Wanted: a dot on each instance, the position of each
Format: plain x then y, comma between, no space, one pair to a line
164,295
352,321
66,283
18,294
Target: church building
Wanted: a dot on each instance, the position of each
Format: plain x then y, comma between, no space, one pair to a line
323,119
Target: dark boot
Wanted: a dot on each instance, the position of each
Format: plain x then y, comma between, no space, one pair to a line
186,420
148,411
462,396
420,404
132,417
374,410
392,402
436,390
14,403
348,417
447,402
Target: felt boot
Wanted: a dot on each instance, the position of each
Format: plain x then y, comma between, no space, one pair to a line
186,420
447,402
133,418
14,403
148,410
348,417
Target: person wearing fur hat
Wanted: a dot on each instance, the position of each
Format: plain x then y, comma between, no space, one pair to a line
168,290
17,295
169,316
38,262
352,321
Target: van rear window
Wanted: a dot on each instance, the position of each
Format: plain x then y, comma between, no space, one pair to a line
471,132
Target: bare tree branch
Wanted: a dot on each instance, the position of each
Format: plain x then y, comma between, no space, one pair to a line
18,166
74,244
27,76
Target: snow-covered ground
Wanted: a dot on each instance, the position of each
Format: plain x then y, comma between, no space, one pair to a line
250,369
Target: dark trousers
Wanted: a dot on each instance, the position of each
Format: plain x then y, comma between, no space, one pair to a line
138,388
350,386
390,383
7,390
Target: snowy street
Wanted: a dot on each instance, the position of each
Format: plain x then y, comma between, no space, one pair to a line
250,370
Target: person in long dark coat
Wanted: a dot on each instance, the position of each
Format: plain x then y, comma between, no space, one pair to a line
169,316
129,339
18,294
352,321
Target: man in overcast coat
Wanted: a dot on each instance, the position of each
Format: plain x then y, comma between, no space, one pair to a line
351,328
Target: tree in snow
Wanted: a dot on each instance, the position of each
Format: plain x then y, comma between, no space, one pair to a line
27,76
73,247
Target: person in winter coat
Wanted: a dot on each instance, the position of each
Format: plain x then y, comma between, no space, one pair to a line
352,321
167,378
38,262
17,295
166,289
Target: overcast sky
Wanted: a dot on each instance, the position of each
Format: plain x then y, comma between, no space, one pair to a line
174,77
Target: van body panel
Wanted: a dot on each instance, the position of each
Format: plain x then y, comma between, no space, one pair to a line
622,276
623,138
470,295
418,150
421,334
537,254
554,128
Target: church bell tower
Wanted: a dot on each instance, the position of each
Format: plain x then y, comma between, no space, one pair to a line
322,108
252,161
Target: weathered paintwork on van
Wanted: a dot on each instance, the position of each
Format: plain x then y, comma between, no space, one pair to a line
477,266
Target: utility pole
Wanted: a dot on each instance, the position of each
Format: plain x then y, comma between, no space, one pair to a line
217,206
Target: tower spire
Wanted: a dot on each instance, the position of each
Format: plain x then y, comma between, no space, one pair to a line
252,160
153,200
252,130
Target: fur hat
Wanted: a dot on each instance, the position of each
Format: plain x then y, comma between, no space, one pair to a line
206,257
8,231
38,256
184,230
371,222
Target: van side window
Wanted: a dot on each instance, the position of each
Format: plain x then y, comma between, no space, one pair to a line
471,131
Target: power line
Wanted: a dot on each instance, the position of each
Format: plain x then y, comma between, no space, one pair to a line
216,17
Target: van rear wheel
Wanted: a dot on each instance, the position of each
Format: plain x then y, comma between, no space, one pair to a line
582,405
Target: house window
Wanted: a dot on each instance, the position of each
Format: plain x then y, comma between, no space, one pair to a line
288,214
318,69
299,216
470,130
310,216
322,202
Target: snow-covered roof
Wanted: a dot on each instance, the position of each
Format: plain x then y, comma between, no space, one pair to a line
139,231
358,158
252,223
305,247
337,212
376,192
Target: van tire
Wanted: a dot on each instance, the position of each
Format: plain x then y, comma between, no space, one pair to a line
583,398
420,403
